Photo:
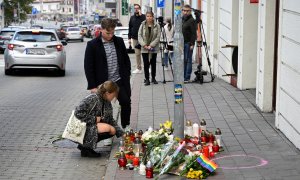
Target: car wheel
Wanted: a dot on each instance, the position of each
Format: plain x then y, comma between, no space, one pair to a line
61,72
8,72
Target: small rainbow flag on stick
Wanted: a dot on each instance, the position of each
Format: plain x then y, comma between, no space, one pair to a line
206,163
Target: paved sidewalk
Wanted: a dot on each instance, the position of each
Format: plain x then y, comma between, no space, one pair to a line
254,149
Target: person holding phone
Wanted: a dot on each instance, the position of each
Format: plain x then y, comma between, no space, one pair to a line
134,25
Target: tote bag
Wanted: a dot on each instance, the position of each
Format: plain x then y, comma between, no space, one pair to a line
75,129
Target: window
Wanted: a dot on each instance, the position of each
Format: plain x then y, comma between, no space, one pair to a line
63,9
29,36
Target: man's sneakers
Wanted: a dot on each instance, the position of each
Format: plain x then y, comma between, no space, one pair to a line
146,82
137,71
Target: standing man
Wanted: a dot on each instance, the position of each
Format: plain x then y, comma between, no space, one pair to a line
105,59
134,25
189,27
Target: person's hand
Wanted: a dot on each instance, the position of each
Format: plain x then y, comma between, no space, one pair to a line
94,90
98,119
146,47
191,47
129,41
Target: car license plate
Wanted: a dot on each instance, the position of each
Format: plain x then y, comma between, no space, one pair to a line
35,51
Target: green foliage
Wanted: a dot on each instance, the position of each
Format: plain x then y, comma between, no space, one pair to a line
10,5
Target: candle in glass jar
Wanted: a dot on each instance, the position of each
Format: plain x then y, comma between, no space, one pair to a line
149,170
216,147
195,130
136,161
122,161
205,150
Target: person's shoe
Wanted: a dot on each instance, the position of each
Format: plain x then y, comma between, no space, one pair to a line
154,81
85,152
137,71
107,142
166,69
80,147
147,82
127,128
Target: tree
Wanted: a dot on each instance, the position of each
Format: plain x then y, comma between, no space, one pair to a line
9,7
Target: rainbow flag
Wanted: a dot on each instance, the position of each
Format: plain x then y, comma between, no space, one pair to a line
206,163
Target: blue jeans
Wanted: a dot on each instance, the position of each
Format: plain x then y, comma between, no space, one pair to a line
166,58
188,53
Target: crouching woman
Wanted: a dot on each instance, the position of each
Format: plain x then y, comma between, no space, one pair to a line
96,111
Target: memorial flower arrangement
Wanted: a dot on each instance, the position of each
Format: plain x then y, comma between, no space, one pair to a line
162,153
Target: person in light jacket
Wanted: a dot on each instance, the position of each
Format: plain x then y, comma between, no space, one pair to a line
149,37
97,112
169,33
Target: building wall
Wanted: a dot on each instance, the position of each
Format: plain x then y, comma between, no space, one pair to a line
265,54
288,80
228,35
247,44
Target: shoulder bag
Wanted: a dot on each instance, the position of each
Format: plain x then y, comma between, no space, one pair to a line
75,129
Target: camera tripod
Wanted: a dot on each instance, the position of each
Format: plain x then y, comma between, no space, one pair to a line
163,47
199,72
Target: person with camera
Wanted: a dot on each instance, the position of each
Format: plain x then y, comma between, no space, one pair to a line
134,25
148,37
189,28
169,33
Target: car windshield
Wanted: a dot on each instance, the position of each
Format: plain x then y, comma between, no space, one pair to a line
35,36
73,29
7,33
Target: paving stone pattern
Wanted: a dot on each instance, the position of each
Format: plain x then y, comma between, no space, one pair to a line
249,136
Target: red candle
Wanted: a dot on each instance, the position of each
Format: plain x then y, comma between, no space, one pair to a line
122,161
136,161
149,170
203,139
216,147
211,137
205,151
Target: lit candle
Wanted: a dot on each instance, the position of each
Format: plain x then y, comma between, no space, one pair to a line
218,135
203,125
195,130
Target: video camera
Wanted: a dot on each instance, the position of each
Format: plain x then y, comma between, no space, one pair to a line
197,14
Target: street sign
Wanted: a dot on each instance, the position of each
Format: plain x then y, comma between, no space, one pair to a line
124,7
160,3
34,10
96,17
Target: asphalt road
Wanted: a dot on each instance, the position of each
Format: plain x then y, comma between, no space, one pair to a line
34,108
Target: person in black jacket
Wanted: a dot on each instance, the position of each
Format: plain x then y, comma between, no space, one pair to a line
189,27
134,25
105,59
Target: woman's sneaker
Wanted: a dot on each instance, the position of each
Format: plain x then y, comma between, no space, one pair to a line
107,142
86,152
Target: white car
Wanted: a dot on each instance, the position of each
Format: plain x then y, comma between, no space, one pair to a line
123,33
35,49
74,33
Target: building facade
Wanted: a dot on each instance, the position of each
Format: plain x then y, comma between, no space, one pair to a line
255,45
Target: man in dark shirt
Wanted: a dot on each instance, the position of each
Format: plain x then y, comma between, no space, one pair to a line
134,25
189,27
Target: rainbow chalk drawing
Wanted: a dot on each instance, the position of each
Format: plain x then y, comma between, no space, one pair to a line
262,162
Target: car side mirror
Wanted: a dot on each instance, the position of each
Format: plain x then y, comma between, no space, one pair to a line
64,42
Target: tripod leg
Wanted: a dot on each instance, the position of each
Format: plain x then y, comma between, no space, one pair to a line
170,63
